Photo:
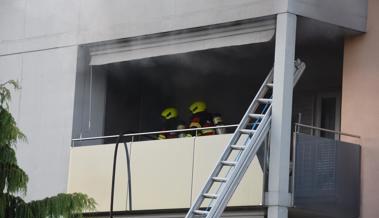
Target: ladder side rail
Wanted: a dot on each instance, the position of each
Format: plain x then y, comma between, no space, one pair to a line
232,141
249,143
299,69
241,168
253,106
207,185
248,156
226,198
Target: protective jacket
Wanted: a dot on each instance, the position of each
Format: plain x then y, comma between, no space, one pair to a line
202,119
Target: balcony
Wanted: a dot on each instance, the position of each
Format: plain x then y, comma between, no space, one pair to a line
165,174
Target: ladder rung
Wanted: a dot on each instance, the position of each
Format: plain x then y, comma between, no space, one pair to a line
229,163
256,116
212,196
265,100
219,179
270,85
238,147
247,131
200,212
254,124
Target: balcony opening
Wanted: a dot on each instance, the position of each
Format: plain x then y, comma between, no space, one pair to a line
128,97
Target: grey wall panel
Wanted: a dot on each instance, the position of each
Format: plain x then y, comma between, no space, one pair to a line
351,14
28,25
12,19
50,17
46,109
58,23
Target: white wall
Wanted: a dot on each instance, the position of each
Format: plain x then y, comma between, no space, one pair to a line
38,24
43,109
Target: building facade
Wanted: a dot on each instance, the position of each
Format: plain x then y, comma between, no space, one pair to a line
68,57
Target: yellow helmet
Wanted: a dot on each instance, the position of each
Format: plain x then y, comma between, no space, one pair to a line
198,106
169,113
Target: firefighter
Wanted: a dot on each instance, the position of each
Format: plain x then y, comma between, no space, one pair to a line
201,118
217,121
170,117
182,125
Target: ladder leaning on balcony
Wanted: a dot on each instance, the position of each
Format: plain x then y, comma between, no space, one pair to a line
237,156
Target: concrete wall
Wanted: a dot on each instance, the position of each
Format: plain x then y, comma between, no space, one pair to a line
360,114
39,24
43,109
34,25
350,14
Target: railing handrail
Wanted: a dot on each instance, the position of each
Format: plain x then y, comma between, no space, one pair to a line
326,130
153,133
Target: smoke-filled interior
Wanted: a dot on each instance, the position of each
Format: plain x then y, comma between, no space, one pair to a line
225,78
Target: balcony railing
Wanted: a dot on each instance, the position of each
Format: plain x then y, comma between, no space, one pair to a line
168,174
133,137
326,173
165,174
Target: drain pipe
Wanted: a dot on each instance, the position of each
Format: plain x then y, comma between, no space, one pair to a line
114,174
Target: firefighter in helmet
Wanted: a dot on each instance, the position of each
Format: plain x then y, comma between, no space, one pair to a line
171,122
170,118
201,118
217,121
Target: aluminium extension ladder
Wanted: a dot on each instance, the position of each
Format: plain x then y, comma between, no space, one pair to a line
238,155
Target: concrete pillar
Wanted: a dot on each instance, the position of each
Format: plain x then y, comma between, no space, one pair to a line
278,198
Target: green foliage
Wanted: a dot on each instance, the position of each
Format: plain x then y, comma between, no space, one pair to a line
9,132
13,180
62,205
5,93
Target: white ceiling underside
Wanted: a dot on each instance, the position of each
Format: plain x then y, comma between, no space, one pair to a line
217,36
